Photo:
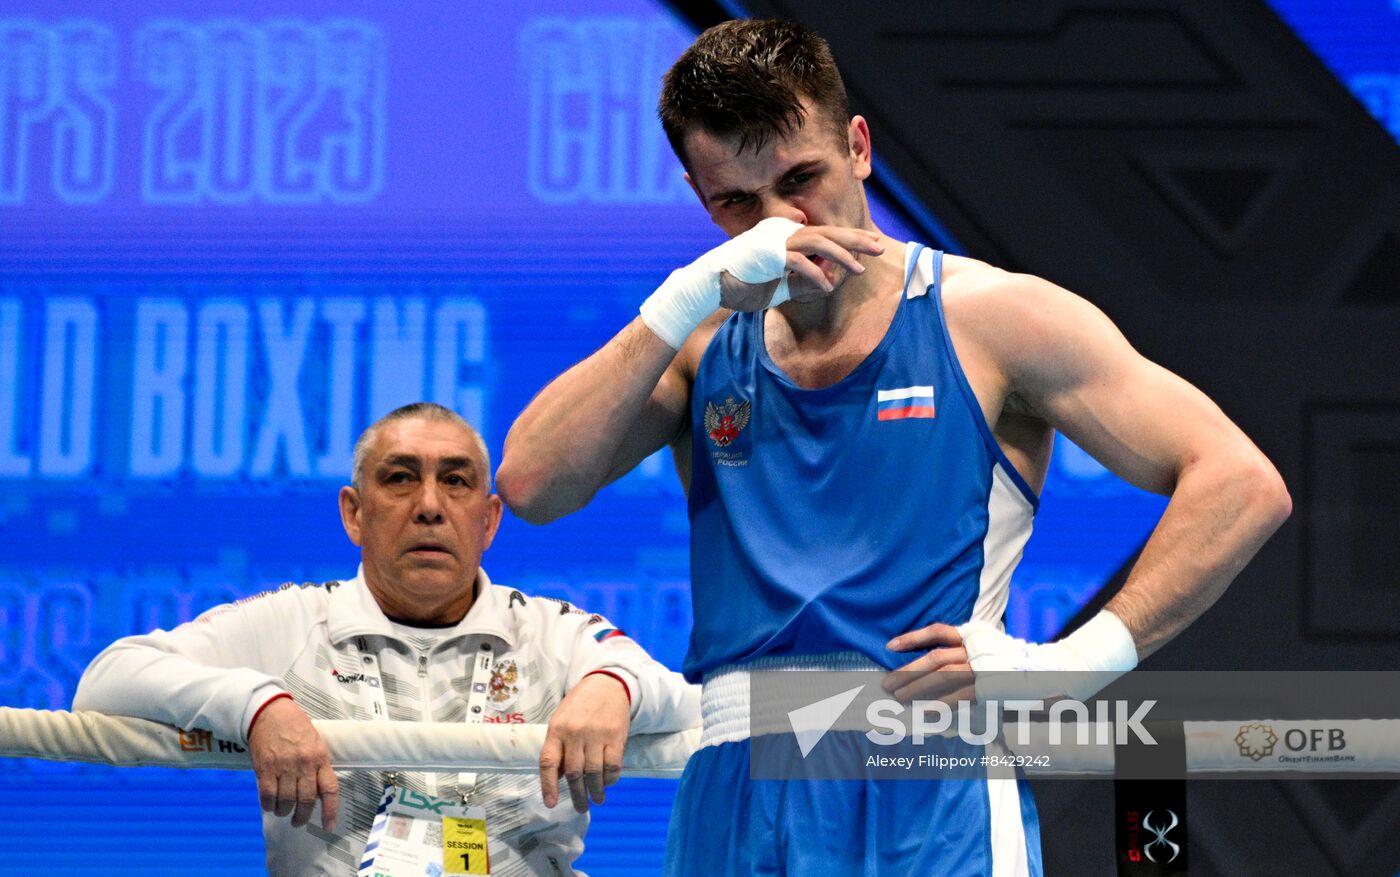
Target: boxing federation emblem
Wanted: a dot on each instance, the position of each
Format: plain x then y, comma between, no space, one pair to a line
503,689
723,423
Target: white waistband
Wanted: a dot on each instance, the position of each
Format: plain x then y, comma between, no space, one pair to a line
724,695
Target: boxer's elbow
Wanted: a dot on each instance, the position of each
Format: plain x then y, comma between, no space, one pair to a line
1271,499
521,491
1264,496
531,493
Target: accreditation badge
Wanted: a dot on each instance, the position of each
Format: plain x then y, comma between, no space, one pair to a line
417,835
464,843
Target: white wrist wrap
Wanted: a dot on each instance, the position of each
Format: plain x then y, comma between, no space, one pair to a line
692,293
1097,653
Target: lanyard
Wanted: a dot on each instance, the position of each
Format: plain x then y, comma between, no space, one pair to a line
371,695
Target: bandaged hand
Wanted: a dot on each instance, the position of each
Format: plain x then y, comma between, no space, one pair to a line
761,268
1083,662
978,660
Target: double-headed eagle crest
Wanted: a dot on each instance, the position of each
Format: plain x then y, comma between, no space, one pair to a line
504,689
723,423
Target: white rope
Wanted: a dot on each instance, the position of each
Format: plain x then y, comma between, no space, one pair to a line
1358,746
427,746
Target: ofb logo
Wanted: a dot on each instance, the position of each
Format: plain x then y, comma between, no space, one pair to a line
1165,850
1256,740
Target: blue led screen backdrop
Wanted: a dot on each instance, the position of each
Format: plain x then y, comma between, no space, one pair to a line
231,237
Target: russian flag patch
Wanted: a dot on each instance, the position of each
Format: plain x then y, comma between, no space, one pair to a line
903,403
607,633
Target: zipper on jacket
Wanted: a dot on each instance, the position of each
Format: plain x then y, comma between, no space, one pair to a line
431,778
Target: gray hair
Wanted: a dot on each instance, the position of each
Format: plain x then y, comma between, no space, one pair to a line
415,411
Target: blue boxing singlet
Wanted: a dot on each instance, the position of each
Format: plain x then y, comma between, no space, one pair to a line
833,519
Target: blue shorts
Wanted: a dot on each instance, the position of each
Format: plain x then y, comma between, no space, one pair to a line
726,825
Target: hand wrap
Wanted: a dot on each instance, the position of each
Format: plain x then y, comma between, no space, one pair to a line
1095,655
754,258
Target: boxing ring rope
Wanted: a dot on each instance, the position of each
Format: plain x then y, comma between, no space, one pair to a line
1373,745
425,746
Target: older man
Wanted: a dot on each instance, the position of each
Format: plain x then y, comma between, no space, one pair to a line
420,634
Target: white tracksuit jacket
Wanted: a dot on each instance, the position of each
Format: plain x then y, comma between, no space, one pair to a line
216,671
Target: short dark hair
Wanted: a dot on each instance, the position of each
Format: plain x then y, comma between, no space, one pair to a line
748,78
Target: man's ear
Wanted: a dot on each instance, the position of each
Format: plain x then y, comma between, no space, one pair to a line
350,513
492,522
858,143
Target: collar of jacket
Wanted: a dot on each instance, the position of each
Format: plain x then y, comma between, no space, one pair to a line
352,611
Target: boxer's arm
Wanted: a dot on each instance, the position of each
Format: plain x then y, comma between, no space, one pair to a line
1066,363
1063,361
592,424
